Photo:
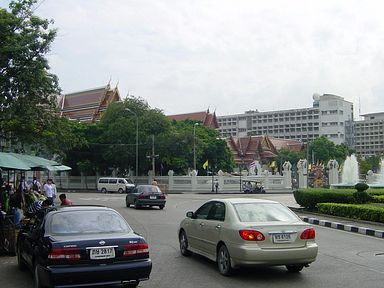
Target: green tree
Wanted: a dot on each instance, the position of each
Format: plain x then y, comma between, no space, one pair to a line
324,150
286,155
27,88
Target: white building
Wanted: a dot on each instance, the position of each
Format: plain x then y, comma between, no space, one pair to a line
369,134
327,117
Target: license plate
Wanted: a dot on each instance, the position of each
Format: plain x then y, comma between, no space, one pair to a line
152,197
282,238
102,253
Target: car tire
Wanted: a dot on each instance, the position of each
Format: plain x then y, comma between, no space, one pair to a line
103,190
224,261
183,240
120,191
161,207
20,261
127,204
294,268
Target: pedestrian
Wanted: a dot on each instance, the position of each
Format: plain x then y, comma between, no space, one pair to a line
216,185
36,185
64,200
37,206
50,191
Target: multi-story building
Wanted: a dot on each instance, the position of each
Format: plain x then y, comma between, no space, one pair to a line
327,117
369,135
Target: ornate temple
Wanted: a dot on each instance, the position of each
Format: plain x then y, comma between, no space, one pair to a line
88,105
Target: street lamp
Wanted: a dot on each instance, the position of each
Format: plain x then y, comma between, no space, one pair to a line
194,145
137,141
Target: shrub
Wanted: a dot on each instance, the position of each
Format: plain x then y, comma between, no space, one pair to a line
355,211
362,197
309,198
378,199
361,187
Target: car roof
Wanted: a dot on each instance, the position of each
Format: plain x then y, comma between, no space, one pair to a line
244,200
84,208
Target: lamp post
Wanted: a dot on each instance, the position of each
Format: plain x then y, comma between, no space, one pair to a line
137,141
194,145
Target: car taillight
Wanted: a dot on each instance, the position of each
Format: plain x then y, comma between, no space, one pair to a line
251,235
308,234
141,196
64,254
136,249
162,196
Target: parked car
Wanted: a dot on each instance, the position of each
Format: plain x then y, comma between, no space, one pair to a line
146,195
113,184
83,246
239,232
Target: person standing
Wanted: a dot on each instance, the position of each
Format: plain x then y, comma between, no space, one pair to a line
36,186
49,191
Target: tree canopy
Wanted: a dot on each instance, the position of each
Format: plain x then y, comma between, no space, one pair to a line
27,89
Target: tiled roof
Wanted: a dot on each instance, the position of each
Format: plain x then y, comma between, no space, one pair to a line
204,117
87,105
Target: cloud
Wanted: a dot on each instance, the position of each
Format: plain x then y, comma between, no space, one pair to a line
232,56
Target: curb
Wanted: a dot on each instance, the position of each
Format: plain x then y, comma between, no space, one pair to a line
344,227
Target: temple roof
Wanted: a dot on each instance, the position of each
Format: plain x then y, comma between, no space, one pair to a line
205,117
87,105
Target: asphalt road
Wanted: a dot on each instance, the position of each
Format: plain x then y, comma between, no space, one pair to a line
345,259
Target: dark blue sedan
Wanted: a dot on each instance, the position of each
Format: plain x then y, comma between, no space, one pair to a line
83,246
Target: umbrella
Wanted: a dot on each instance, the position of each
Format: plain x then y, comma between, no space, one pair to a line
11,162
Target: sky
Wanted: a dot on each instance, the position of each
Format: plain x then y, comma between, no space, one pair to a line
229,56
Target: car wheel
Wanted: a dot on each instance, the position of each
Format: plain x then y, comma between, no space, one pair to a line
161,207
136,205
127,203
224,261
37,277
120,191
131,285
20,261
294,268
103,190
184,244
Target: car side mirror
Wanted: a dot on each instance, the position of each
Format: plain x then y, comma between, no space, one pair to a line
190,214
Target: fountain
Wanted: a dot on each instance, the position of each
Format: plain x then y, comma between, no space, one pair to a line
350,171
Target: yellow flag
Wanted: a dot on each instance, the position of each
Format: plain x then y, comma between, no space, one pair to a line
205,165
273,164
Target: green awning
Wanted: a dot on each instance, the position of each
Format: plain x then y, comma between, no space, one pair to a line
8,161
34,162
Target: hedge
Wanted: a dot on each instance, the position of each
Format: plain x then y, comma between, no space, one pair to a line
309,198
354,211
378,199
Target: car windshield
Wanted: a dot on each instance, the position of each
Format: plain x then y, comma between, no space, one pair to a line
263,212
129,181
83,222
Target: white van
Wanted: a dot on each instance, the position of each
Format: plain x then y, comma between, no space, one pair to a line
114,184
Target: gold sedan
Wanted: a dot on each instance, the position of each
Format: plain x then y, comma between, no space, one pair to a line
239,232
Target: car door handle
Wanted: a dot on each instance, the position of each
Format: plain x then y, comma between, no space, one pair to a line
218,226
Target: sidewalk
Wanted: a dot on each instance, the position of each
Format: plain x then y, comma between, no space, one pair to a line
351,225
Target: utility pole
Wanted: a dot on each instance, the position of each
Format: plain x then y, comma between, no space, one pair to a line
153,156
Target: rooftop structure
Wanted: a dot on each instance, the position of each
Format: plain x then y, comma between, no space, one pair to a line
87,105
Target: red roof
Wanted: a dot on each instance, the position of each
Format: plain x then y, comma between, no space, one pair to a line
204,117
87,105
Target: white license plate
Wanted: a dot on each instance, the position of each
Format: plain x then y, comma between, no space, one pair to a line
282,238
102,253
152,197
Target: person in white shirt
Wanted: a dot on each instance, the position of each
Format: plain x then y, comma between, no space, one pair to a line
50,191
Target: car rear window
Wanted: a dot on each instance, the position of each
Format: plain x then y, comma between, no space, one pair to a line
84,222
263,212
